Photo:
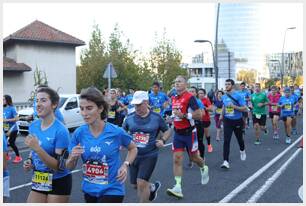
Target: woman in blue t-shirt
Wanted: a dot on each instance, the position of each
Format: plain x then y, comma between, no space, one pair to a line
98,144
10,117
48,140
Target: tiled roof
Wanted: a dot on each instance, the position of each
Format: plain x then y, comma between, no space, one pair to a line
41,32
10,65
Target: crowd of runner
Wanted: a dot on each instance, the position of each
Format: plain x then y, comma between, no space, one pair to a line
141,123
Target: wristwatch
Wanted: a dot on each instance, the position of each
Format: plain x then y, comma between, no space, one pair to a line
127,163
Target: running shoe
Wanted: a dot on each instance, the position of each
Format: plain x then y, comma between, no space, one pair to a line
17,159
288,140
218,138
209,148
225,165
257,142
8,157
190,164
204,175
243,155
176,191
153,193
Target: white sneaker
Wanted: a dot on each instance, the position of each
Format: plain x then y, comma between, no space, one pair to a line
242,155
176,191
204,175
225,165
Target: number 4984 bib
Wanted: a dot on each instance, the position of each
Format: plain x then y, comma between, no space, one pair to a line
42,181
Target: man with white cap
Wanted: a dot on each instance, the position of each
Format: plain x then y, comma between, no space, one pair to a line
144,125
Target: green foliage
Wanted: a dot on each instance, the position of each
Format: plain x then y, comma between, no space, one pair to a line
248,76
40,78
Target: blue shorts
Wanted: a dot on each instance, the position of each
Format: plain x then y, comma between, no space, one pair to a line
142,168
180,142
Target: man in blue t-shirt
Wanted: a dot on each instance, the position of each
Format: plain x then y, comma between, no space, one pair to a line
286,103
158,100
233,107
144,125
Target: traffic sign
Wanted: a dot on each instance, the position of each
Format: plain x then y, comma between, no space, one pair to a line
110,72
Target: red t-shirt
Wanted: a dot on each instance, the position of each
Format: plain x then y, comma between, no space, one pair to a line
274,99
207,103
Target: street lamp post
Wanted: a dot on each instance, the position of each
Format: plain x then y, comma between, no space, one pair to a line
283,64
214,59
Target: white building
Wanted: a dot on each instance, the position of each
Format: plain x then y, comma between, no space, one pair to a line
41,46
201,70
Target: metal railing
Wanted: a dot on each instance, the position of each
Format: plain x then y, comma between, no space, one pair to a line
22,105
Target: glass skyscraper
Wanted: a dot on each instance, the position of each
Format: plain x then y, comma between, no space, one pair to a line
240,30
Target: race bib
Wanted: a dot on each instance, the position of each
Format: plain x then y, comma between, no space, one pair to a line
288,107
6,127
274,108
42,181
111,114
141,139
157,110
258,116
229,111
219,110
96,172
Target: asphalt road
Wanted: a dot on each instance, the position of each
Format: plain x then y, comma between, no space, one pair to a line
283,187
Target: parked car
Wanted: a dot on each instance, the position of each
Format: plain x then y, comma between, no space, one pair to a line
69,107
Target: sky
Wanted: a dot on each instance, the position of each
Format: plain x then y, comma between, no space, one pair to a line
184,23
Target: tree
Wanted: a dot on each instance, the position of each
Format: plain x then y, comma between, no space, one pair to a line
165,60
93,62
40,78
248,76
299,80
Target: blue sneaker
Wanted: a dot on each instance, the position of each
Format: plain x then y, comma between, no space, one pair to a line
288,140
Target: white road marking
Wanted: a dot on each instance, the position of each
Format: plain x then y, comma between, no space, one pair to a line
28,184
301,192
273,178
243,185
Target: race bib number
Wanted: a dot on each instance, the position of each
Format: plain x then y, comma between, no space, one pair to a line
288,107
141,139
96,172
42,181
274,108
219,110
111,114
229,111
258,116
6,127
157,110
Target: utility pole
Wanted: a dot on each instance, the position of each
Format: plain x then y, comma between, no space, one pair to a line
229,64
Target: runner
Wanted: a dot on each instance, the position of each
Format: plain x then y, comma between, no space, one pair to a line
274,110
206,117
199,126
48,140
186,110
297,95
97,142
10,128
233,106
6,175
158,100
246,95
127,101
218,111
145,126
259,101
286,103
116,108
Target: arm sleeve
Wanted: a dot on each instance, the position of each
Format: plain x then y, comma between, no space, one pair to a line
125,138
193,103
62,139
241,101
14,112
74,141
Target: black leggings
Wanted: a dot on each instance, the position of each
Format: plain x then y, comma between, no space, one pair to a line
12,140
231,126
200,134
104,199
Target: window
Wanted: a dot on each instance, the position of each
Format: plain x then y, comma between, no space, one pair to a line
72,104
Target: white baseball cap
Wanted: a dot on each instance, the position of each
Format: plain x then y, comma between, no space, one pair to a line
139,97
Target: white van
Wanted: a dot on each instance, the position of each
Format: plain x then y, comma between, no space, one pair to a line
69,107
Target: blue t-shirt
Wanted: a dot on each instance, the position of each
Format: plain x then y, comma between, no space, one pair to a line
218,104
54,137
59,116
5,149
127,102
101,153
230,112
157,101
289,102
145,131
9,112
200,103
296,99
245,94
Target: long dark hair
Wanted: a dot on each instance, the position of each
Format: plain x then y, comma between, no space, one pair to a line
96,96
8,99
